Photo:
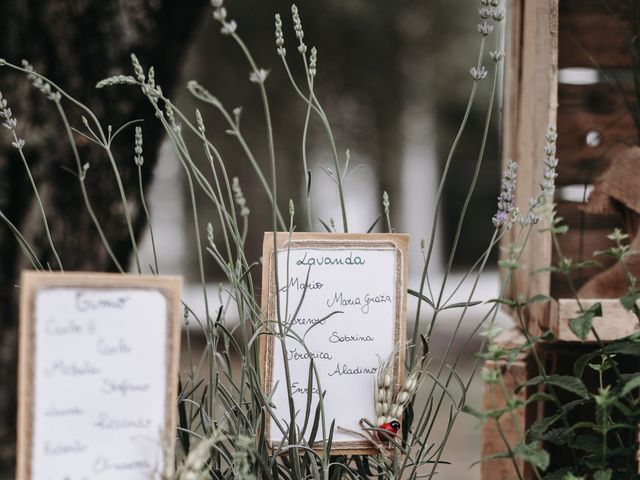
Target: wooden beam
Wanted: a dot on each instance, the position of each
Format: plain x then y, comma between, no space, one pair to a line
595,34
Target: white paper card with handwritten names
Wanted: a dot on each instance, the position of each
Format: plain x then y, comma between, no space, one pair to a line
99,406
344,295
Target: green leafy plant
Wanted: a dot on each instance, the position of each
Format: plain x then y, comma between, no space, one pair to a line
591,413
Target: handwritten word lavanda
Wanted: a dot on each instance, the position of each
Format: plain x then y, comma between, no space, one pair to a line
350,259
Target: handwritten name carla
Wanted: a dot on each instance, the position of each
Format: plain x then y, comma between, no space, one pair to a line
123,387
55,328
87,302
344,369
72,369
363,302
104,465
106,422
297,388
113,348
334,260
296,284
335,337
319,355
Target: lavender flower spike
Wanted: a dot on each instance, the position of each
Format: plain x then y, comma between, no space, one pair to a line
549,174
506,198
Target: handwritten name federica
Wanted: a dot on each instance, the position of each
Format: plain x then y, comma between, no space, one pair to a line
350,259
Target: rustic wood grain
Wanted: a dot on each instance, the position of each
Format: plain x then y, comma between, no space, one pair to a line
615,323
532,48
601,108
584,26
587,234
511,426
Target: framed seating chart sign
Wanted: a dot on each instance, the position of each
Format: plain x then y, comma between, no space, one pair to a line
339,300
98,375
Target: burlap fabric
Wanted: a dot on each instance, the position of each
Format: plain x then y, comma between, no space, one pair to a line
617,189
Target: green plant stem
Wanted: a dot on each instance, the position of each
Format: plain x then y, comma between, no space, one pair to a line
148,216
316,106
125,205
26,248
438,201
39,202
83,189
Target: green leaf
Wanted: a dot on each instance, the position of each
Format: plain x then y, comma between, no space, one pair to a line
490,376
629,300
534,454
557,474
581,325
560,230
540,397
630,346
566,382
631,385
508,264
571,476
494,456
587,443
482,416
421,297
602,475
541,426
538,299
557,436
375,222
462,304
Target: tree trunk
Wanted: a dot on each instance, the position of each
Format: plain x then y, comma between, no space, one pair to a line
76,43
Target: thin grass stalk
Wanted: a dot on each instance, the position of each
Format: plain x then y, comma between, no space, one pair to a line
125,205
235,128
81,177
38,201
148,217
26,248
438,202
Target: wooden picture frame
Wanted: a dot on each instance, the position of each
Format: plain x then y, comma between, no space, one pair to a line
32,284
286,244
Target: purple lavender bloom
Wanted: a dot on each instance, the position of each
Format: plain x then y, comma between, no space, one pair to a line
507,195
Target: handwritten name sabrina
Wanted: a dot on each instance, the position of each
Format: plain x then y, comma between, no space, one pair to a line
334,260
363,302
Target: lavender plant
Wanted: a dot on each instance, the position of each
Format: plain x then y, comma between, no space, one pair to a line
222,412
591,411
